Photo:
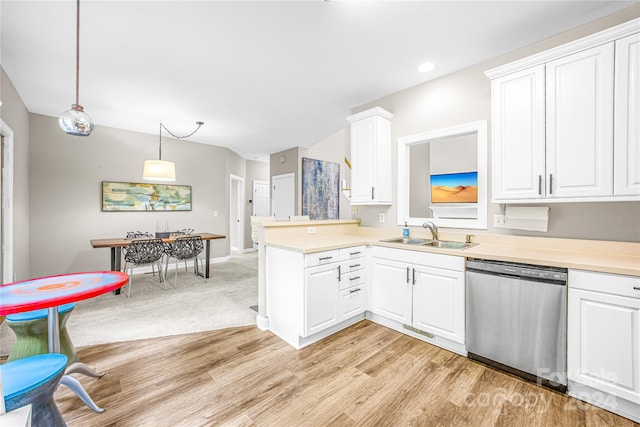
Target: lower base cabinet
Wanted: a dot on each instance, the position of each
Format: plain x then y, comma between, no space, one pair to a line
422,290
603,339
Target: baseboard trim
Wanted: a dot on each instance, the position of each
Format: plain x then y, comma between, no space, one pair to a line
262,323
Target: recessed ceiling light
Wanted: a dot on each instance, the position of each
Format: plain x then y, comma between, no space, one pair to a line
426,67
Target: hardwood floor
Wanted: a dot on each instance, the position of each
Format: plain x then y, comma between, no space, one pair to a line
366,375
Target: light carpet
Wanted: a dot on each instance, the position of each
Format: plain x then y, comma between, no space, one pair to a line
194,305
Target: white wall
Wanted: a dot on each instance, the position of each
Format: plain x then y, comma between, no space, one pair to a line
465,96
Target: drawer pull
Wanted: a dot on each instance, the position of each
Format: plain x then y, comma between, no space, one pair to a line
637,288
355,278
354,266
355,253
325,258
354,290
339,274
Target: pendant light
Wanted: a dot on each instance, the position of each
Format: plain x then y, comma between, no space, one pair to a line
162,170
75,121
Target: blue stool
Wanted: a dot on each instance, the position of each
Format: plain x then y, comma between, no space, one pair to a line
31,332
32,380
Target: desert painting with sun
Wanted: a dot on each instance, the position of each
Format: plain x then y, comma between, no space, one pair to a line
454,188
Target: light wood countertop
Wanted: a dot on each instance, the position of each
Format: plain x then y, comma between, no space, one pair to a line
601,256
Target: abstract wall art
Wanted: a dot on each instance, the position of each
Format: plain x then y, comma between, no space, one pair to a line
320,189
142,197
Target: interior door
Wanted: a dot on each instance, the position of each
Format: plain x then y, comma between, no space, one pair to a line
284,196
261,198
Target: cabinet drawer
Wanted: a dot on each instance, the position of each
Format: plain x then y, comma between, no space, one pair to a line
615,284
319,258
352,253
352,301
352,265
353,278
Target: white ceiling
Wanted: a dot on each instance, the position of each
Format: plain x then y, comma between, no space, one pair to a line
264,76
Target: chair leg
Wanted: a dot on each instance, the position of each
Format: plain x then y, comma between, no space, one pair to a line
130,282
160,274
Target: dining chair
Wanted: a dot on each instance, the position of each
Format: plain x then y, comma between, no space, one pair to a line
143,252
142,235
183,249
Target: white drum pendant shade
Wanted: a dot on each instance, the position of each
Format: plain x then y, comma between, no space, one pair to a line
159,170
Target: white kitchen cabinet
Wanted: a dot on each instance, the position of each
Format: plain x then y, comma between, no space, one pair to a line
371,157
424,291
519,134
603,342
439,302
320,298
310,296
627,117
553,115
391,289
579,112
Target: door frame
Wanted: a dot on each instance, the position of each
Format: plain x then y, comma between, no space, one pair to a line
273,192
236,227
6,204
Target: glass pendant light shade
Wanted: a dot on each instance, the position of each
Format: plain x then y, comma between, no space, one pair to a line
76,122
159,170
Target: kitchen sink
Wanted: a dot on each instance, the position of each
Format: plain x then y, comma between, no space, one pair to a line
408,241
443,244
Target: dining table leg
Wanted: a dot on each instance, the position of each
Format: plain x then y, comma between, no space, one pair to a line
53,330
116,262
207,255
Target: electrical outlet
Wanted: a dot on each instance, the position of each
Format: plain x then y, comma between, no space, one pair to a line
354,210
381,217
499,221
311,230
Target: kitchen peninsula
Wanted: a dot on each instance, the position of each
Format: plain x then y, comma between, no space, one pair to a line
318,277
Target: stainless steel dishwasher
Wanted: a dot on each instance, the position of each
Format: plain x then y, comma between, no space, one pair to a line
516,319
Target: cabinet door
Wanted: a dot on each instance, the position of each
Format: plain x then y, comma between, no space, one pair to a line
352,302
627,117
363,156
438,302
320,298
580,124
604,342
391,290
518,111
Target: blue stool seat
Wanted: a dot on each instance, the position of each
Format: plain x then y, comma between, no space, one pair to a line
33,380
38,314
32,333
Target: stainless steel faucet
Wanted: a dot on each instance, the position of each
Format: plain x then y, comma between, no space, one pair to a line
433,228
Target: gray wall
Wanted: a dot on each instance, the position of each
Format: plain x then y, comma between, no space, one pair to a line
16,116
465,96
290,164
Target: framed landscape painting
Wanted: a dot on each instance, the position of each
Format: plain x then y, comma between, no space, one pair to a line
143,197
454,188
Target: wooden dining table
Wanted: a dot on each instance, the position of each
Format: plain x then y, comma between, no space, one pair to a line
117,243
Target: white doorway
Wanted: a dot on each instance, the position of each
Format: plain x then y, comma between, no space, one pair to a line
6,203
284,196
261,198
236,214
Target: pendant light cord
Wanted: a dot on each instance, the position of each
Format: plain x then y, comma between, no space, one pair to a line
78,53
173,135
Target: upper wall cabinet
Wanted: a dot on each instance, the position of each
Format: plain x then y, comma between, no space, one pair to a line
566,120
371,157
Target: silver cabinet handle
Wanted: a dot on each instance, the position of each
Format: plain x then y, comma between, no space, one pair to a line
339,275
354,278
355,253
550,183
325,258
539,185
354,266
408,269
354,290
637,288
373,193
414,276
